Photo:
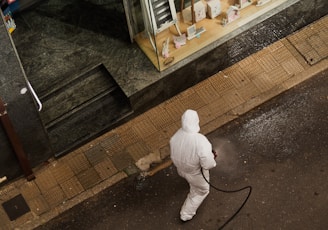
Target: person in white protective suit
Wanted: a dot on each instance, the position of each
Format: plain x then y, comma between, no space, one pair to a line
191,151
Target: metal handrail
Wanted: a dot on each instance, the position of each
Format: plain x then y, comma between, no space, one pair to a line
34,95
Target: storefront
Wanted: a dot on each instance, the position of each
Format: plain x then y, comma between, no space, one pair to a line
168,33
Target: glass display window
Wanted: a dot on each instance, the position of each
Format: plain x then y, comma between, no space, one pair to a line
170,31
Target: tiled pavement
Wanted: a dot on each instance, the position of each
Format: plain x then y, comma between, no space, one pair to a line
64,182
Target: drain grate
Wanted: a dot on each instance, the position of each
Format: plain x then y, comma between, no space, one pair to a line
16,207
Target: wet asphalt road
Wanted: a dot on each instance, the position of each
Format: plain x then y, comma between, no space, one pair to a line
279,148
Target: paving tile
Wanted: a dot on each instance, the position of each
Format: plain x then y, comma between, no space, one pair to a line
303,46
292,66
278,75
8,192
112,143
4,220
295,53
175,109
221,83
54,196
29,190
88,178
253,70
172,128
263,82
191,100
205,114
105,169
233,99
38,205
319,45
96,154
45,180
206,91
237,76
218,107
138,150
159,117
128,136
72,187
282,54
268,62
122,160
274,46
246,62
61,171
248,91
312,57
156,141
23,219
79,163
144,128
323,34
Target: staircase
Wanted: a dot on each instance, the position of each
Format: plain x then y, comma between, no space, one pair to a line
82,109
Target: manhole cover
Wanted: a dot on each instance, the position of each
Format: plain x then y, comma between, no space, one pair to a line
16,207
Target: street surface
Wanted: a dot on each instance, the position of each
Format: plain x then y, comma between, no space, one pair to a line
279,148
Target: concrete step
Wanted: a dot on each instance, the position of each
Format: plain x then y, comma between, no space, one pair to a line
82,109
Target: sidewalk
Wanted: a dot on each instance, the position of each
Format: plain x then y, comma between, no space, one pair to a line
130,148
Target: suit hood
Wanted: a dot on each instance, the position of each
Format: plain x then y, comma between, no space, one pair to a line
190,121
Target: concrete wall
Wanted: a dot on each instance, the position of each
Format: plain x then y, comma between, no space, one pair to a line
22,111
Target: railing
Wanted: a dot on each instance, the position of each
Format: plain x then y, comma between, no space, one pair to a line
35,95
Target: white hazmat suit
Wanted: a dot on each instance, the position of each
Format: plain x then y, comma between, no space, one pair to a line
191,151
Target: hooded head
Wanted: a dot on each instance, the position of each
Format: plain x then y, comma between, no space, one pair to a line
190,121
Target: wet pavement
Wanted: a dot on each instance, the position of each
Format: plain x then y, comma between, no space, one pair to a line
279,148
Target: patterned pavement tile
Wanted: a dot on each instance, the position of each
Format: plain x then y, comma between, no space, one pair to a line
122,160
156,140
175,109
159,117
129,136
282,54
95,154
248,61
233,99
88,178
236,76
45,180
206,91
248,91
79,163
54,196
263,82
292,66
192,100
72,187
106,169
268,62
61,171
112,143
29,190
138,150
319,45
38,205
144,127
218,107
278,75
253,70
222,83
